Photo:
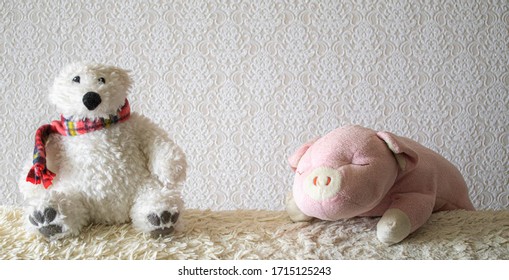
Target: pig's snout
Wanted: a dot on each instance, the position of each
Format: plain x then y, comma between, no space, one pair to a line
322,183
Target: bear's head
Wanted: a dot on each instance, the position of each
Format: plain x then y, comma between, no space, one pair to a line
84,90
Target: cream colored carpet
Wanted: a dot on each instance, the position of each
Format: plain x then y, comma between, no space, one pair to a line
268,235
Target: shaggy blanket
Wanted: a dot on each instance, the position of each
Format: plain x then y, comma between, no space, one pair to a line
249,234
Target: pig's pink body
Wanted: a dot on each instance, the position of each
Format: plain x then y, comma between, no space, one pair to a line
355,171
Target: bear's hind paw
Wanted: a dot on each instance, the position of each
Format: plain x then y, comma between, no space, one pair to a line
43,221
163,223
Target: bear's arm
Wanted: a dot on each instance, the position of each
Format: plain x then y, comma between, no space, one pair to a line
165,159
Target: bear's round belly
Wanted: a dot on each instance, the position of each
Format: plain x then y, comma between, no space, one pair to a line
105,170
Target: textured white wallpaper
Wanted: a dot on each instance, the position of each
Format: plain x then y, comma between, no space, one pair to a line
240,84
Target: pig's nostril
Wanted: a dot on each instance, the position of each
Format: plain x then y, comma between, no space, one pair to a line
317,181
322,183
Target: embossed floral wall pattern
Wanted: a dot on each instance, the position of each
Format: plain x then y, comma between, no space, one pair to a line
241,84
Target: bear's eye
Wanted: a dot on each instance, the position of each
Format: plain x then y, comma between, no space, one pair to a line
76,79
102,80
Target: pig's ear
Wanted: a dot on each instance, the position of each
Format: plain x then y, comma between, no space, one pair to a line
297,155
406,157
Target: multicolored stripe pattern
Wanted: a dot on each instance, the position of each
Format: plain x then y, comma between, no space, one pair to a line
39,173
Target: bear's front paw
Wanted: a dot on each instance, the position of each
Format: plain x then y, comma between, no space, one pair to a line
170,171
44,222
163,223
177,172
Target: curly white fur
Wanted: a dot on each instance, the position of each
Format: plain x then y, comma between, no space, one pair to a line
122,173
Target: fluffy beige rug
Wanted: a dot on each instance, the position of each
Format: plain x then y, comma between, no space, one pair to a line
268,235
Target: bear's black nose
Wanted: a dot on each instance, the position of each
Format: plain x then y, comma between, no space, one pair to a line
91,100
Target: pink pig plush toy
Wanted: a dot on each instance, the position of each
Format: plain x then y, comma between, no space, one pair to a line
355,171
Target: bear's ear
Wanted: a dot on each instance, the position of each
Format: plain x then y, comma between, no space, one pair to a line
121,76
406,157
297,155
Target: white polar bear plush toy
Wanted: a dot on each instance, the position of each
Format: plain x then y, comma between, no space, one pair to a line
99,163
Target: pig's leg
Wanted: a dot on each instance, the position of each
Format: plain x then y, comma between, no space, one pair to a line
408,212
293,211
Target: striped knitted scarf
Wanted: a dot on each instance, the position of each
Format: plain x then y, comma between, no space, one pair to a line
39,173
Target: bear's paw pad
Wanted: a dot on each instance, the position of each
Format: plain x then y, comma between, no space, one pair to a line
43,221
163,223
